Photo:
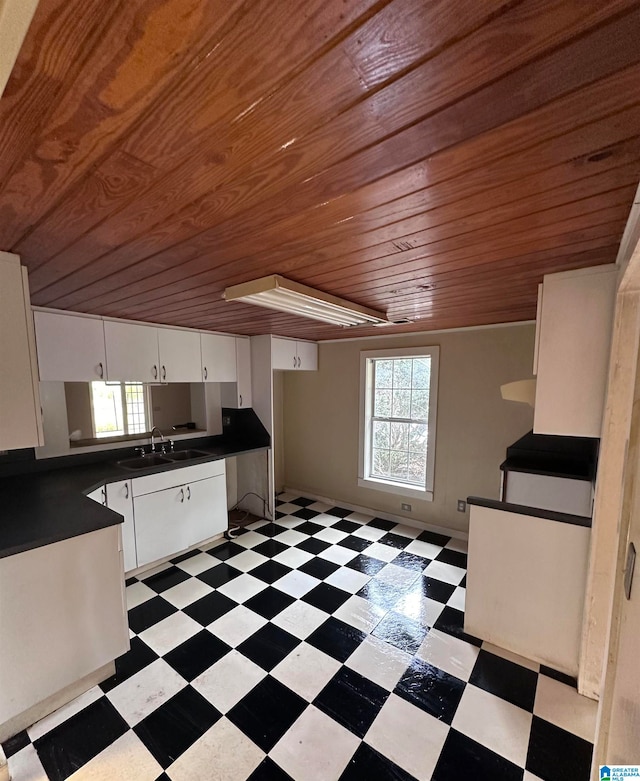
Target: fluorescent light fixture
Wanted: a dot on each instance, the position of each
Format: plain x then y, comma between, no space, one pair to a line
283,295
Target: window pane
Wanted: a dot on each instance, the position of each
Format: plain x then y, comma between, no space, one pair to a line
417,467
136,417
400,436
420,404
383,374
382,404
107,409
381,434
418,437
401,404
380,465
421,373
399,463
402,373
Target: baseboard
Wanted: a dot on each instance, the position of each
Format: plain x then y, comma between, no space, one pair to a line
356,508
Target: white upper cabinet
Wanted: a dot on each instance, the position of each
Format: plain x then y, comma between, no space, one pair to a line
218,358
132,352
70,347
238,394
20,415
293,355
574,327
179,355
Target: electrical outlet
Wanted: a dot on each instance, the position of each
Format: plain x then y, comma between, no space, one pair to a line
406,507
226,420
462,506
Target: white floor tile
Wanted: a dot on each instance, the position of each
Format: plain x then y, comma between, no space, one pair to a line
287,508
242,588
382,663
397,576
323,519
290,521
223,753
137,593
45,725
361,613
457,599
383,552
348,579
287,496
510,656
294,557
250,539
320,507
296,583
258,524
450,654
291,537
461,546
369,533
495,723
338,555
530,777
445,572
123,760
425,549
300,619
563,706
247,560
419,608
306,671
170,632
141,694
408,736
25,765
186,592
359,517
235,626
197,564
406,531
315,741
226,682
331,535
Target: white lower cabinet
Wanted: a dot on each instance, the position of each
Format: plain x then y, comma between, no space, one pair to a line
118,497
160,527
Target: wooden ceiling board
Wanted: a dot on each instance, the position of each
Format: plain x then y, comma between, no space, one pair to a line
155,151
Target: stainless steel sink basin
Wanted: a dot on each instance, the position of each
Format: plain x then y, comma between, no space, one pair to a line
143,462
185,455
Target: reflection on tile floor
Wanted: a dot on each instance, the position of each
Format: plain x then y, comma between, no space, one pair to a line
327,645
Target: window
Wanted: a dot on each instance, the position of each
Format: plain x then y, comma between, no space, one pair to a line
398,420
119,408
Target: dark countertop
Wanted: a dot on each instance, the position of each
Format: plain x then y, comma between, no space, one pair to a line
45,501
544,454
535,512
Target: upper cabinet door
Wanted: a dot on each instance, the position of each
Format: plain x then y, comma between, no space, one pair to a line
179,355
70,348
307,356
243,383
284,354
132,352
218,358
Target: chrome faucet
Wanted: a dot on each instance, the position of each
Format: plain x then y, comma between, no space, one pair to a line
153,444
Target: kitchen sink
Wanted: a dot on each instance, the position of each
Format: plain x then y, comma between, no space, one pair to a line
184,455
143,462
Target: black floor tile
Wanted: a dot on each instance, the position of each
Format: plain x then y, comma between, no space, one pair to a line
398,541
268,646
176,725
355,543
352,700
70,745
451,621
196,654
272,530
267,770
411,561
555,753
558,676
401,632
136,658
269,602
279,514
267,712
463,758
319,568
433,538
308,527
270,548
452,557
149,613
185,556
346,526
339,512
437,589
15,744
166,579
505,679
301,501
226,551
380,523
463,582
366,564
270,571
326,597
384,595
431,689
367,765
130,581
307,515
218,575
336,638
313,546
208,608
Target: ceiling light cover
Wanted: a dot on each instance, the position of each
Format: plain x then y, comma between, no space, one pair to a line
283,295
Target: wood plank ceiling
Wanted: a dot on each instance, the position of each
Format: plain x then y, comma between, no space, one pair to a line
428,158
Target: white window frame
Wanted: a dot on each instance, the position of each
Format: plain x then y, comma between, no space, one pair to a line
365,480
147,411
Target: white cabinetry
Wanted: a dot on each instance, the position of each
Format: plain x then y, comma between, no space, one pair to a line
238,395
179,355
118,497
575,318
20,415
293,355
132,352
70,347
218,358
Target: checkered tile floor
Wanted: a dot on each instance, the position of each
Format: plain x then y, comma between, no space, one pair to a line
327,645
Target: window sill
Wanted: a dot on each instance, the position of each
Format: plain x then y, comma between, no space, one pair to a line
401,489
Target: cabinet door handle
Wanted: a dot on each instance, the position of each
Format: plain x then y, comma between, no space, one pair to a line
155,372
182,494
164,372
240,399
294,362
299,362
188,493
101,370
206,373
126,490
104,497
